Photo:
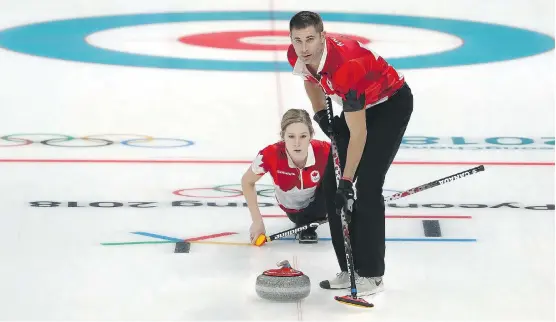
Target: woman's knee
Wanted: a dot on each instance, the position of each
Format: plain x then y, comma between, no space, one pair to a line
292,217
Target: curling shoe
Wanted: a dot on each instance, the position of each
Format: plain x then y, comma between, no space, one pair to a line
340,282
308,237
368,285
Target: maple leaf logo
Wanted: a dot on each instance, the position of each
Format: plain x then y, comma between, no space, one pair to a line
257,165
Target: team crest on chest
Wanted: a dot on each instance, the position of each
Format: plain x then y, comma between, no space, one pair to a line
329,83
326,85
315,176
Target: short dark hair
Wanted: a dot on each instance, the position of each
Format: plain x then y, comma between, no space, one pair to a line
304,19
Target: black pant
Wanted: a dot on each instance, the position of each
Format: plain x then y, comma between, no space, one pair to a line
386,125
315,211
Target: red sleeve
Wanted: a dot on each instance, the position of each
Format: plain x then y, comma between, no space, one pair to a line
262,162
323,146
322,149
352,71
327,148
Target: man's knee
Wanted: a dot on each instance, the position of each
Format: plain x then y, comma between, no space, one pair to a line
370,182
369,195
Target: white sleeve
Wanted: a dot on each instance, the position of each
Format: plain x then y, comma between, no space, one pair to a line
257,165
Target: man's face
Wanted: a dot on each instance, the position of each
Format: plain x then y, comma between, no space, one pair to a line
308,44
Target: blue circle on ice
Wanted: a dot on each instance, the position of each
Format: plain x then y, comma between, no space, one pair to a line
65,39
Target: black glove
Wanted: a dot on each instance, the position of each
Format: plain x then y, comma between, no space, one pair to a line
345,198
352,102
321,117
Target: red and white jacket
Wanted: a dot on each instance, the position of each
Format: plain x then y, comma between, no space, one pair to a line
294,187
345,64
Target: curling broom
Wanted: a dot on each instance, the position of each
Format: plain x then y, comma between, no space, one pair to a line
395,196
347,299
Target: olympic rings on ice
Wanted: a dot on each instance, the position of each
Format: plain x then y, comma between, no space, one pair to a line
91,141
232,191
224,191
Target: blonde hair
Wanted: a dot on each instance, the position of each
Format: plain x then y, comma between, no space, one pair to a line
295,115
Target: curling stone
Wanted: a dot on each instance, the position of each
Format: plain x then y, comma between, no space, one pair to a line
284,284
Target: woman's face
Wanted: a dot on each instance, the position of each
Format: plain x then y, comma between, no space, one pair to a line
297,138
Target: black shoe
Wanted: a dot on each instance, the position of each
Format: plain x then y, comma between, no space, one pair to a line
308,236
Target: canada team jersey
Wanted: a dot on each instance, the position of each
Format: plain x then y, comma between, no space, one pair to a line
294,187
345,65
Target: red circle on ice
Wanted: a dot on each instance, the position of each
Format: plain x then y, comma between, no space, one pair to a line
250,40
